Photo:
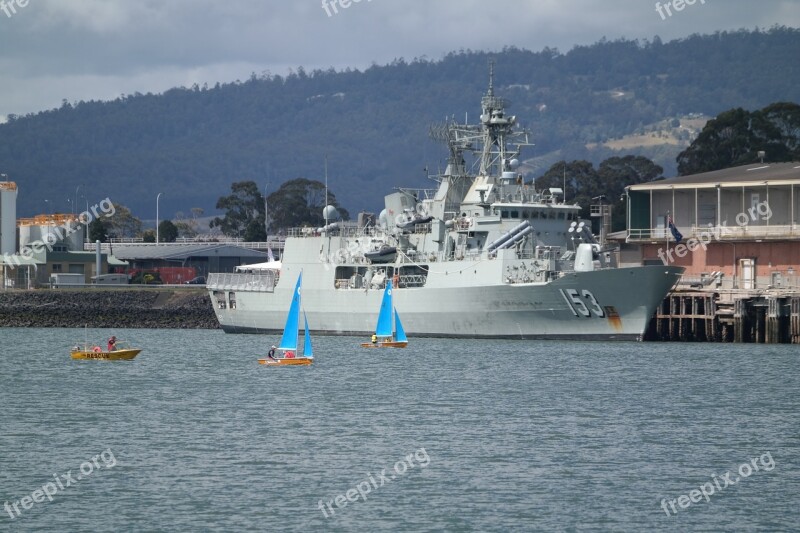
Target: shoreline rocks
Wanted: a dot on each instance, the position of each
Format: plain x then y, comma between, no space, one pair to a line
107,308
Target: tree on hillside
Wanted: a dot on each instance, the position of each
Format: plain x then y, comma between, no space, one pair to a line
186,227
736,136
167,231
244,212
98,230
299,202
123,223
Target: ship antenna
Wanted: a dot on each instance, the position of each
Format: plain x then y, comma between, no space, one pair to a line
325,203
491,78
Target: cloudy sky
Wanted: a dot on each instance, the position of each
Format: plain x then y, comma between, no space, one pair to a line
52,50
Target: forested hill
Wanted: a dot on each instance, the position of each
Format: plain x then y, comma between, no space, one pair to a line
192,143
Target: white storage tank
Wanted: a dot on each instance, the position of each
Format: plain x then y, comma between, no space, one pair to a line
52,229
8,217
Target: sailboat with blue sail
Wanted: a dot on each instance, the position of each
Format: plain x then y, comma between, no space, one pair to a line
290,341
388,333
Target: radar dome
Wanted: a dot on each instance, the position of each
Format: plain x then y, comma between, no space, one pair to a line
330,213
514,164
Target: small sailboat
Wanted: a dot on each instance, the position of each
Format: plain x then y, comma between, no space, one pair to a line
290,339
385,336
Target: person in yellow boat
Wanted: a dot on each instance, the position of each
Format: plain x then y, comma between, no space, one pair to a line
112,343
271,353
374,339
289,355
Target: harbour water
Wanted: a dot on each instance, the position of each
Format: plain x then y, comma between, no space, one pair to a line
473,435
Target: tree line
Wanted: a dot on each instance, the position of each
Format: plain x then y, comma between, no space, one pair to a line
735,137
191,143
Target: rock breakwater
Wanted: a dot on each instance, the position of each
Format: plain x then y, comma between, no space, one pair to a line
104,308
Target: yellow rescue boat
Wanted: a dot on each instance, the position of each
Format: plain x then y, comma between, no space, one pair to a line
117,355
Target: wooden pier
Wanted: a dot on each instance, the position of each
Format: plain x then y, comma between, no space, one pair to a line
727,316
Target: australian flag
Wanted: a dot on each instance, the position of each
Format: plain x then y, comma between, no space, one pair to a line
674,230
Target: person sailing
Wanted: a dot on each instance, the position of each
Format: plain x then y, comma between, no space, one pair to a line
112,343
271,353
374,339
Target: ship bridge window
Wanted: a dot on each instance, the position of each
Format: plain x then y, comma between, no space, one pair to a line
504,213
551,215
561,216
535,214
525,214
514,214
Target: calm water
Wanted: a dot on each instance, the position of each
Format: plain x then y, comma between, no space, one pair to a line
508,436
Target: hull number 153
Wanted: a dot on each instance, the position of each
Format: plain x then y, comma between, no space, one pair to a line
582,303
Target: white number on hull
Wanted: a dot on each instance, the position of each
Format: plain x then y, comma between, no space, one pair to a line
578,306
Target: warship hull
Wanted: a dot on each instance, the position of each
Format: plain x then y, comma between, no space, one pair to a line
612,304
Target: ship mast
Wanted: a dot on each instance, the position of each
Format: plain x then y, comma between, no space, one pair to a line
494,142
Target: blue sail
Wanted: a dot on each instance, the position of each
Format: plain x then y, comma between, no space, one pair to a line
291,329
307,350
401,333
384,328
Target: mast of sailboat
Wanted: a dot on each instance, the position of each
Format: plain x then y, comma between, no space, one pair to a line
325,211
325,203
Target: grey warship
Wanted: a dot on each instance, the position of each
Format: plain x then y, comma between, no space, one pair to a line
481,255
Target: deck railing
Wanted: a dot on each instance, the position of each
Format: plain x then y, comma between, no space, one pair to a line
727,232
255,282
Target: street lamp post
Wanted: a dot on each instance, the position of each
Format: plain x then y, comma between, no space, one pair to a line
266,212
86,221
157,197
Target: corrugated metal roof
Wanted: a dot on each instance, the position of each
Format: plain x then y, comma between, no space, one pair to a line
755,174
182,251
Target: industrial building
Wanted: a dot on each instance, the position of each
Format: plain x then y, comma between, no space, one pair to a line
737,233
738,224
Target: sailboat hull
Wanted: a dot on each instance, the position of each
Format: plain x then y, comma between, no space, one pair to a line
388,344
297,361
